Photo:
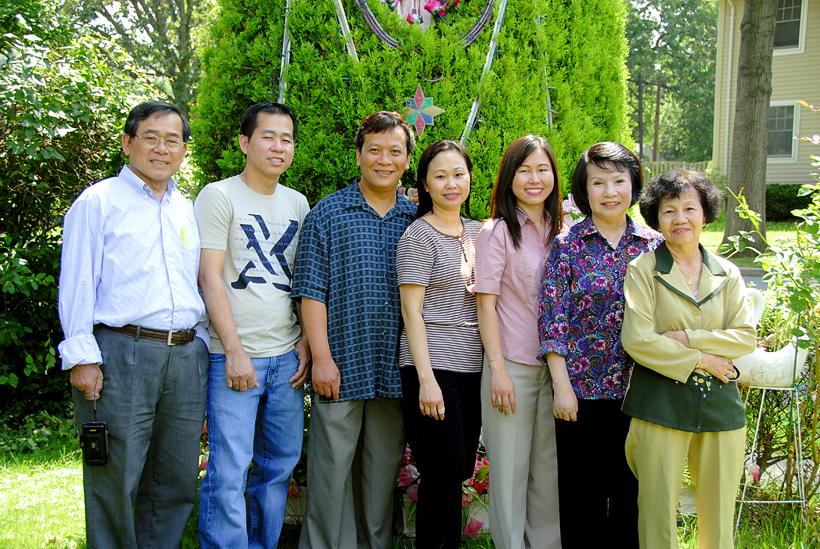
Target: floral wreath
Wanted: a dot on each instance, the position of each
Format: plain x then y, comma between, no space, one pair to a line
382,34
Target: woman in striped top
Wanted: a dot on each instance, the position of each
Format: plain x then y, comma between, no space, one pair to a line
440,350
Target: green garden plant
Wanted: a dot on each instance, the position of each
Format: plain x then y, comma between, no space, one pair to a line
793,278
63,99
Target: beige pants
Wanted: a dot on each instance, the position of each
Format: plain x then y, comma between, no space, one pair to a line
523,462
657,456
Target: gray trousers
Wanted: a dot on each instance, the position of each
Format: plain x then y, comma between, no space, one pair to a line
354,456
153,399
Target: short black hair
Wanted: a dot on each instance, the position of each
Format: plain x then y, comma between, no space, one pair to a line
250,118
145,110
382,121
605,155
671,184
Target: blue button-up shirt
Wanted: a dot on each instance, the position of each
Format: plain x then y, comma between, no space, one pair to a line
347,260
127,258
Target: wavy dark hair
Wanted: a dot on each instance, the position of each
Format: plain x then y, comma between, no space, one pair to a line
605,155
671,185
383,121
425,204
504,203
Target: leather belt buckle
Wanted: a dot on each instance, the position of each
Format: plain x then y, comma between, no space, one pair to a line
168,339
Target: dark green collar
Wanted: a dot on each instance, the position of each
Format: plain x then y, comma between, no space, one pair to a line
664,261
712,279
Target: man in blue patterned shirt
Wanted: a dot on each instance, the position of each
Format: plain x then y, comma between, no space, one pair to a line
346,278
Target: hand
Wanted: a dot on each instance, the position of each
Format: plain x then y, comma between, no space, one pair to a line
679,336
502,391
431,402
303,350
240,373
88,378
565,404
718,366
326,378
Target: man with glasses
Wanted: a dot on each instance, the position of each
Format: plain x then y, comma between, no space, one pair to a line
249,225
135,338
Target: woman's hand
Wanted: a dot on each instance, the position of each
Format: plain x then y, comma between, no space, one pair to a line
502,390
431,403
718,366
565,404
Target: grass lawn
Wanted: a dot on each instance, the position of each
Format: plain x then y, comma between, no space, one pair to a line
42,507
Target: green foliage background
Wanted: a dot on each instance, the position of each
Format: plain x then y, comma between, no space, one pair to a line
63,99
575,49
674,42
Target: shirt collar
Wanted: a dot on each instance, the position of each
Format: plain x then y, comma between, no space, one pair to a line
352,197
138,184
587,228
664,261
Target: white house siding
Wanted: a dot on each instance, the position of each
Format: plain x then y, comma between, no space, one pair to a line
795,76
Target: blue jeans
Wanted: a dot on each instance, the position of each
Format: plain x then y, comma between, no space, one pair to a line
260,428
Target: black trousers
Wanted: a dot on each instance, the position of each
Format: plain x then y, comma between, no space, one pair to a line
444,451
598,494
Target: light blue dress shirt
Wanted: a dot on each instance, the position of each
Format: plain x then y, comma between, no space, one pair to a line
127,258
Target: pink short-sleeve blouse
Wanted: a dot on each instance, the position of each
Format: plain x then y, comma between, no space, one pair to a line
514,275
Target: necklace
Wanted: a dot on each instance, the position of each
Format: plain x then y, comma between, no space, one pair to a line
242,176
689,280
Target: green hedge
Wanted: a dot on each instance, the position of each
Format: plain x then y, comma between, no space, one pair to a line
782,199
575,49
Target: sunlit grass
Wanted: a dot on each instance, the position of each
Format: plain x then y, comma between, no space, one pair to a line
42,503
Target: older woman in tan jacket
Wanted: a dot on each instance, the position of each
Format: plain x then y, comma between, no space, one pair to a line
684,322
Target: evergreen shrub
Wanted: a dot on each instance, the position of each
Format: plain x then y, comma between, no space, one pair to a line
574,50
781,200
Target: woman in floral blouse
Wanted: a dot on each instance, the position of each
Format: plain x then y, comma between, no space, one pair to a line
581,312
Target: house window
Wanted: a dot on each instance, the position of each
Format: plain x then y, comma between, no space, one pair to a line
781,131
788,24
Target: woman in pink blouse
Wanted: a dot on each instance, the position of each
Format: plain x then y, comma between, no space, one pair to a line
519,429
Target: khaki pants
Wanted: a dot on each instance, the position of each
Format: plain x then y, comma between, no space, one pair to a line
657,456
523,463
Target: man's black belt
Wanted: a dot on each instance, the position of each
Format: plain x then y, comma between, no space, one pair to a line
171,337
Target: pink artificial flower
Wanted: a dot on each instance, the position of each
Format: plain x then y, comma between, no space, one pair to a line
754,470
434,5
203,464
414,19
413,193
293,489
473,526
467,494
408,474
413,492
455,3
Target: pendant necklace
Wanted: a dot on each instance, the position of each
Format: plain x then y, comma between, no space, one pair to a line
689,280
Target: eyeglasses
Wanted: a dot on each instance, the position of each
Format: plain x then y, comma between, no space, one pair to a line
173,144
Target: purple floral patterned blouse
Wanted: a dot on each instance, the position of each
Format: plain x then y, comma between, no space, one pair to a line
582,306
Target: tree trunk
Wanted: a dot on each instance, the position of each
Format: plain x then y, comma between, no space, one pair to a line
747,171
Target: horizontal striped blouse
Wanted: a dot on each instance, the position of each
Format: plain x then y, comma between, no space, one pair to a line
445,266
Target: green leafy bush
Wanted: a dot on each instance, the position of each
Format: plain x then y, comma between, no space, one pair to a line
781,200
570,55
63,100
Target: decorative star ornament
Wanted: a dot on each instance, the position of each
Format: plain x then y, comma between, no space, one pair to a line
420,111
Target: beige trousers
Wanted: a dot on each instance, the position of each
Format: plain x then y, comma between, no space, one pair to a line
657,456
523,462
